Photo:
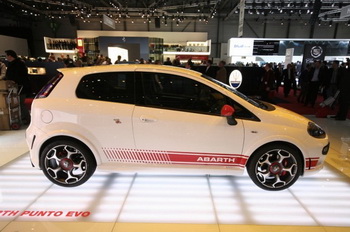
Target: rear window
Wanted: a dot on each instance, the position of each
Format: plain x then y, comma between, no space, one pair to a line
109,86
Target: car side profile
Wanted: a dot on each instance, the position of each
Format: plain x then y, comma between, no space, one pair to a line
154,118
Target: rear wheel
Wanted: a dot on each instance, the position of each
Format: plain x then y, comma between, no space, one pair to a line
67,163
275,167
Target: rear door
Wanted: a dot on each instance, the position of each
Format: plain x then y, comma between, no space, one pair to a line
106,104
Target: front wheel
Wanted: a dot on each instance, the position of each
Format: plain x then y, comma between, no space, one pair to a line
275,167
67,163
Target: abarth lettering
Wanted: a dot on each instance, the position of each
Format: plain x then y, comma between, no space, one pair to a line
216,159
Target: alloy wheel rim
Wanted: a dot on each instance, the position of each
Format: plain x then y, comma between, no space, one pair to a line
65,164
276,168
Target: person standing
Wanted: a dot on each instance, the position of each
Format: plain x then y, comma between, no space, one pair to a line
176,61
304,83
315,80
267,83
332,79
190,62
167,61
209,70
288,79
118,60
279,76
17,71
344,94
221,74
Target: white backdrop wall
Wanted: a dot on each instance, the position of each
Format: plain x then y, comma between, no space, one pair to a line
20,46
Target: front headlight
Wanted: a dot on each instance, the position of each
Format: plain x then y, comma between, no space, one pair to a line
316,131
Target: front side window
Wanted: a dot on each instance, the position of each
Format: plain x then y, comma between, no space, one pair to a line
110,86
180,93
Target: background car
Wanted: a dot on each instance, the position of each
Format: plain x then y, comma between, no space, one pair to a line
147,118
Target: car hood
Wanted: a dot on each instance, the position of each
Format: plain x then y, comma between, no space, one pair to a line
282,116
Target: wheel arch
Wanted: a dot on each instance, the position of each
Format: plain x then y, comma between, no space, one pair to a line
65,137
277,143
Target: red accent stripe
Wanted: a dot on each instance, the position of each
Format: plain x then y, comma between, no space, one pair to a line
174,157
311,163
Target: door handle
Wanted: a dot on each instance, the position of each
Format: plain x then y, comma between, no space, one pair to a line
145,118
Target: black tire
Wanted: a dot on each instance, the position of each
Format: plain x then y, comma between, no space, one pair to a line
67,163
275,167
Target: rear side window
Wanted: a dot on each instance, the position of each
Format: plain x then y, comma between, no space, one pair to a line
110,86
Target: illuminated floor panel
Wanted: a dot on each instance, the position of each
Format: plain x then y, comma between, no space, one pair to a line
321,200
117,203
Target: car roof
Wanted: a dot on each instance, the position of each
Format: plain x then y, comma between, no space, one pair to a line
81,71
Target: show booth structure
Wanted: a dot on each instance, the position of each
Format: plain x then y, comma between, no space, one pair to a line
260,51
156,46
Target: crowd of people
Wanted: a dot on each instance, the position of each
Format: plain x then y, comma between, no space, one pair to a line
331,80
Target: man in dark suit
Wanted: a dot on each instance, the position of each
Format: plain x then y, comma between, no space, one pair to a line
267,84
278,75
316,77
332,79
344,95
288,79
210,70
17,71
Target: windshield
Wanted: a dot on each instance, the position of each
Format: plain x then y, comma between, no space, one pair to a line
254,102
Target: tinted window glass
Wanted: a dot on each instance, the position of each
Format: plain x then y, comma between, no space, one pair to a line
180,93
113,86
176,92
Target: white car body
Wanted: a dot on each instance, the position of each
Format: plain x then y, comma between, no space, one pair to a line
136,138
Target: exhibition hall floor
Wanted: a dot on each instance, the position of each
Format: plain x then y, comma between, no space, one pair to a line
144,203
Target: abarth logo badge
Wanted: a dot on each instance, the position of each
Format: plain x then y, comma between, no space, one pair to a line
216,159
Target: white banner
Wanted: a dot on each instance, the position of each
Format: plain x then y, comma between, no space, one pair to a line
241,18
108,21
289,56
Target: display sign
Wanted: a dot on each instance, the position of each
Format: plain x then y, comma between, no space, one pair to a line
190,48
60,45
266,47
313,52
80,45
240,47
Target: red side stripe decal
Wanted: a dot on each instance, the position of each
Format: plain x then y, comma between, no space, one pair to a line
173,157
311,163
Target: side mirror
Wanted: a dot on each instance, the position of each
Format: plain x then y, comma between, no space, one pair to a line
228,112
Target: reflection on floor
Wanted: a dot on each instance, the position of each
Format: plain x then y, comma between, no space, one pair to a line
117,202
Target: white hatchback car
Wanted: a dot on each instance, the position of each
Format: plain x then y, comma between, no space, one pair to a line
146,118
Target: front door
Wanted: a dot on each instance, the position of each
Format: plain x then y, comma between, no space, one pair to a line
180,123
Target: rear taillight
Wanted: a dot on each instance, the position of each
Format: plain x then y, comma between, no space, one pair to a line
46,90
